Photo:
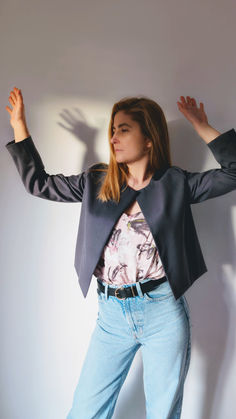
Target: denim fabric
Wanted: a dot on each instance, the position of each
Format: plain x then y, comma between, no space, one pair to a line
155,322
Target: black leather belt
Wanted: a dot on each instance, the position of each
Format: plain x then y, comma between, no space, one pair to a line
125,292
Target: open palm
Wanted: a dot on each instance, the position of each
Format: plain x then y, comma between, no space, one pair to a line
17,112
190,110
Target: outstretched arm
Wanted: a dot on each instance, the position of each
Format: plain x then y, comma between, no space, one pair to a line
29,164
37,182
215,182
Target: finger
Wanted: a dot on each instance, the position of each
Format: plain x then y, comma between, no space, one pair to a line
183,99
11,101
194,101
20,97
13,95
17,91
201,106
189,100
8,109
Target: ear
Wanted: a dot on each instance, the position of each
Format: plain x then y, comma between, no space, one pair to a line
149,143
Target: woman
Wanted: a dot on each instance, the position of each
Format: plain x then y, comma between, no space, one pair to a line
137,236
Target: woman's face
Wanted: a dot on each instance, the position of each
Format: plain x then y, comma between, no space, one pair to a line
129,143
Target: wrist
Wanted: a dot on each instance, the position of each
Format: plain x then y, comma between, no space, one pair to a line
201,125
20,131
206,131
18,123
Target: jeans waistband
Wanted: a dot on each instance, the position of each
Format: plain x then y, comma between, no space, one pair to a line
142,281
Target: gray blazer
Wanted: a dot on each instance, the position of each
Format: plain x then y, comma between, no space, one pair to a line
165,203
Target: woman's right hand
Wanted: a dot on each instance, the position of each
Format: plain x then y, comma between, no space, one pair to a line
18,112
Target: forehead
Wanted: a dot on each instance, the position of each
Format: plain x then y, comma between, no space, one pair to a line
121,117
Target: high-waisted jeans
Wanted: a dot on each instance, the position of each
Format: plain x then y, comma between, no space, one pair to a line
155,322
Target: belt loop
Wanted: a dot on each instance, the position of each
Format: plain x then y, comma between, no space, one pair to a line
140,292
106,291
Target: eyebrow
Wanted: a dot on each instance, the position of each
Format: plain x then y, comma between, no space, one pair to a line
124,123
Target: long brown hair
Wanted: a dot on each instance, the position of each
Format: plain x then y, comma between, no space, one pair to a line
153,125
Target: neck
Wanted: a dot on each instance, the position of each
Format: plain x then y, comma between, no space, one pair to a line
138,176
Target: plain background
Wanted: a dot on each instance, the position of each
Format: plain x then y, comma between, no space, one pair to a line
72,61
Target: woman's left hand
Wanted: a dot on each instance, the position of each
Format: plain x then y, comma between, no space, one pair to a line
190,110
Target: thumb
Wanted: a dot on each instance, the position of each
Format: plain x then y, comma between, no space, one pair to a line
8,109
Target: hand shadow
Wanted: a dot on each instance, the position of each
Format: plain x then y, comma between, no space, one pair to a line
85,133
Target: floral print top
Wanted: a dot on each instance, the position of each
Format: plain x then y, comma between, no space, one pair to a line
130,253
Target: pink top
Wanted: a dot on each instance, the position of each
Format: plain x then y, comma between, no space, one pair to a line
130,254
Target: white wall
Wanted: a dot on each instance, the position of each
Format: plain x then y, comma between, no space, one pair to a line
73,61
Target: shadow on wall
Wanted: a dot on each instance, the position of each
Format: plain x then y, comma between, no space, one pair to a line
86,134
211,302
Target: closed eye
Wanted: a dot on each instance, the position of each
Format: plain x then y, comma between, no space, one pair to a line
123,130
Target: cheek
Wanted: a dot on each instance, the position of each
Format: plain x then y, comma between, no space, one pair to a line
140,146
135,142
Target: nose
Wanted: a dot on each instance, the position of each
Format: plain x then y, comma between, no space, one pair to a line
114,139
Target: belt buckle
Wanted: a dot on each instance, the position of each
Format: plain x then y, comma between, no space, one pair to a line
117,289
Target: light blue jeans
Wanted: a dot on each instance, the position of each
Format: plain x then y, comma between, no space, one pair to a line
155,322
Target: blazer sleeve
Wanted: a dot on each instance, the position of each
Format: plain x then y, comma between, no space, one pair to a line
37,182
215,182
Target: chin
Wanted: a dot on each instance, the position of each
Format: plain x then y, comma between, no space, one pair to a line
120,160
